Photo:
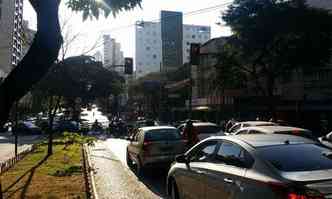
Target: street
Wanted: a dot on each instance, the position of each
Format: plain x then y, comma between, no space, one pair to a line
7,145
114,179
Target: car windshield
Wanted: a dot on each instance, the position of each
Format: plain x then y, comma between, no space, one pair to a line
297,157
207,129
162,134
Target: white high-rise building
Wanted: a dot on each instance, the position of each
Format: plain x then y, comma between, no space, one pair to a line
148,48
11,20
113,56
148,56
98,56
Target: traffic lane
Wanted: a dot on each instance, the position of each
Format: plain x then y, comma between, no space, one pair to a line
153,178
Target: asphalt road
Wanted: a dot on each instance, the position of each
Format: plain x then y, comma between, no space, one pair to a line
114,179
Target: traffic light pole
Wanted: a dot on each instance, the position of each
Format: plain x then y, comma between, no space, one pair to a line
190,109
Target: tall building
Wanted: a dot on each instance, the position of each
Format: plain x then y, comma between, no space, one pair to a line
148,48
166,44
11,19
171,38
112,54
98,56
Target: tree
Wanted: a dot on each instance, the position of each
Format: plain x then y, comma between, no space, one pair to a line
274,37
46,45
75,77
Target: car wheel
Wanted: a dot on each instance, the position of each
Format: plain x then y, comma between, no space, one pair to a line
129,161
174,190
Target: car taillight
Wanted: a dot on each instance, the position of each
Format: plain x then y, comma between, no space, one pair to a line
146,145
287,192
304,196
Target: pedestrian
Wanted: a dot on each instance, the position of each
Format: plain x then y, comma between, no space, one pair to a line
229,124
190,134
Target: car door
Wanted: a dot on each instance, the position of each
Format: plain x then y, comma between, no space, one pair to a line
224,177
191,184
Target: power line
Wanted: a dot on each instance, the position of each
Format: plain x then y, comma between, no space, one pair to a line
191,13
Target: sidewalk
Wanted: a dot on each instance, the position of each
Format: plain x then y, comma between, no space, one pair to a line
114,180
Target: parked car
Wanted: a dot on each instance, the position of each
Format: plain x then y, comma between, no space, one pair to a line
66,125
145,123
253,167
239,125
326,140
154,147
27,128
204,129
276,130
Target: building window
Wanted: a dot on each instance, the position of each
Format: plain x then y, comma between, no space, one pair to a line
148,48
199,36
188,43
193,36
154,56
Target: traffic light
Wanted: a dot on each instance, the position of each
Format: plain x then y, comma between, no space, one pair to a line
129,66
194,53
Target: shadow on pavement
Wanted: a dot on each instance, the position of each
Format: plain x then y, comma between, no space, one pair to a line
155,180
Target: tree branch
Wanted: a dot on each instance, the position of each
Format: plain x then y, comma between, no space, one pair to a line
41,55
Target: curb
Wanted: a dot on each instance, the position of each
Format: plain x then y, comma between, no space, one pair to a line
90,171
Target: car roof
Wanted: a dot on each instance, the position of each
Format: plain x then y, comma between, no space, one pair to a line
254,123
149,128
272,129
204,124
264,140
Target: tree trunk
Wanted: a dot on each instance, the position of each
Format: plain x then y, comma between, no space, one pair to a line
52,113
41,55
271,96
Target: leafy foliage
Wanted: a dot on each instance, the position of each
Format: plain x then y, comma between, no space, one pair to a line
92,8
273,37
79,77
75,138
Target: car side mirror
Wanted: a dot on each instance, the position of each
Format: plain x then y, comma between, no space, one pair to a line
182,159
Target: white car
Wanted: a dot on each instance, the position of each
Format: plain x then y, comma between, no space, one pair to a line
326,140
240,125
204,129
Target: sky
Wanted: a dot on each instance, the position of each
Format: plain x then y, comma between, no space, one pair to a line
122,27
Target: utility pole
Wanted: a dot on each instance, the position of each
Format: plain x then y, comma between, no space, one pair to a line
194,60
16,127
190,94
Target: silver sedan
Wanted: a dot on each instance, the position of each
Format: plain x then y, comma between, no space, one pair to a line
253,166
